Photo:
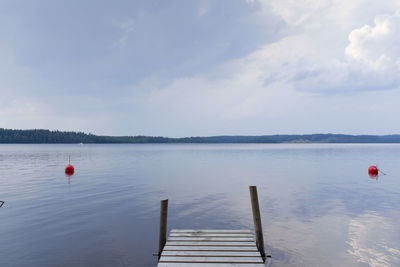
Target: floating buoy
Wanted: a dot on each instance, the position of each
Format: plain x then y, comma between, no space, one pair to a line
373,171
69,169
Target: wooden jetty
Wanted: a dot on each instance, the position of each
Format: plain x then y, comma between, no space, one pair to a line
212,247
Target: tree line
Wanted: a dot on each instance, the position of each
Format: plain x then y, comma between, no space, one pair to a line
41,136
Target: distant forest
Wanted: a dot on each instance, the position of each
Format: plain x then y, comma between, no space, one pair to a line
59,137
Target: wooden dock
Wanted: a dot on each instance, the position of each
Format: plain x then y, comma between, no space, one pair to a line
205,248
220,248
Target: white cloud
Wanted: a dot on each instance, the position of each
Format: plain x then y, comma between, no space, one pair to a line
127,27
378,46
203,8
238,91
295,12
370,60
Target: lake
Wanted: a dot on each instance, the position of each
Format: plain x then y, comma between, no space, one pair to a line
318,205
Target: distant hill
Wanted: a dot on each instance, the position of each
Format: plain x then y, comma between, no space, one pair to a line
38,136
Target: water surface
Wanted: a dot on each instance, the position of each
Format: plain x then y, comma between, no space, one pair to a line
318,205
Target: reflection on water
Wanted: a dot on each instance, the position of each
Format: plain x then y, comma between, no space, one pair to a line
371,240
319,206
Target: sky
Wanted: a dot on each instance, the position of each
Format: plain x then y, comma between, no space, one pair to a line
201,68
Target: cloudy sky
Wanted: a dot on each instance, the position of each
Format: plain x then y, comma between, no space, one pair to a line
188,68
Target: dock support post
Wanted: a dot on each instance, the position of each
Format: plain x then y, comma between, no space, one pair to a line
257,221
163,226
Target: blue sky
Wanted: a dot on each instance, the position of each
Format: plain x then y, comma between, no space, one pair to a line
188,68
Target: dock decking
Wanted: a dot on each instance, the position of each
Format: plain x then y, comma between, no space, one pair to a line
205,248
220,248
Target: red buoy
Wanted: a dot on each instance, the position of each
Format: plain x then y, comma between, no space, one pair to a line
69,170
373,171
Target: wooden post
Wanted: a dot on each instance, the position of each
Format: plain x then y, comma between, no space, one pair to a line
257,220
163,226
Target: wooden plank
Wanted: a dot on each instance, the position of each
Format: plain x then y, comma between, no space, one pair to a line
210,254
209,248
206,243
210,235
176,264
212,259
221,231
211,239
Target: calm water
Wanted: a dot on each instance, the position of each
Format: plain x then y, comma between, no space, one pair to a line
319,207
